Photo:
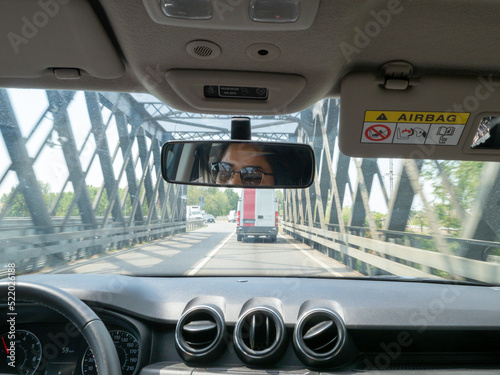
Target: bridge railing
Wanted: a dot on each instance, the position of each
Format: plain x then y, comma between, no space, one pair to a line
33,252
368,256
195,224
416,239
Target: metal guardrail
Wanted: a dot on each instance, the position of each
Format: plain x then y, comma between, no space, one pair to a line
410,235
33,252
396,259
195,224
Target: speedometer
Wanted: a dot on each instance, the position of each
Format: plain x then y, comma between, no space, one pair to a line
21,351
127,348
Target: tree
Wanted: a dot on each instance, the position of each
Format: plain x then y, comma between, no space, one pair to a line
232,199
379,219
18,207
216,201
464,176
281,198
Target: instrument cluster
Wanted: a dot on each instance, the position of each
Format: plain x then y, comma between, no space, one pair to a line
58,348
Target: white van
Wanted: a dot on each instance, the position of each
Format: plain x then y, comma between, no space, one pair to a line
231,217
257,214
194,213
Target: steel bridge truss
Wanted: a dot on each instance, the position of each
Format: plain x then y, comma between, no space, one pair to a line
131,203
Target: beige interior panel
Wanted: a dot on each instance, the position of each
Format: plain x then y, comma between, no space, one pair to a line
41,35
435,118
346,36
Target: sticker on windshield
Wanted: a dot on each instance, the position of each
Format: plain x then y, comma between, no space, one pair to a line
414,127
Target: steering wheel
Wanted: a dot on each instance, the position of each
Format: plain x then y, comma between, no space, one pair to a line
85,320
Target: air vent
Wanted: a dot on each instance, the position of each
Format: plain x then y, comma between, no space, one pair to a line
319,336
259,336
199,334
203,49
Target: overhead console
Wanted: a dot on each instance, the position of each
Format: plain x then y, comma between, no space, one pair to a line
34,45
256,15
395,115
246,92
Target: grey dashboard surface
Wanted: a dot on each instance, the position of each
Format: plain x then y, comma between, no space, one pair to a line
360,303
181,369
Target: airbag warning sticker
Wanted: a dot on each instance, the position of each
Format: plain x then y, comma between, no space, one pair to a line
400,127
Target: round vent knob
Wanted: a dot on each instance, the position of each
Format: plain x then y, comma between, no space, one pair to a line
259,336
199,334
319,337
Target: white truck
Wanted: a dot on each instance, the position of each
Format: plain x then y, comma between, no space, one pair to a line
257,214
194,213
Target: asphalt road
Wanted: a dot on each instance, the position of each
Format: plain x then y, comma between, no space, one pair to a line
214,250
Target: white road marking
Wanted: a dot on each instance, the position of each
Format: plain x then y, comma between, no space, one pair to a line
198,266
329,269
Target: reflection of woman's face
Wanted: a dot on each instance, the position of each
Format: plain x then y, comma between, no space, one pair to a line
241,155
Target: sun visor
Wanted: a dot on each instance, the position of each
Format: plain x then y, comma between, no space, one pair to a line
55,36
433,117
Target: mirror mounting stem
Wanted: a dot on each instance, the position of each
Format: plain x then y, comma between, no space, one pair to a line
240,129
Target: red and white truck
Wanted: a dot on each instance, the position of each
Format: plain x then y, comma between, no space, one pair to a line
257,214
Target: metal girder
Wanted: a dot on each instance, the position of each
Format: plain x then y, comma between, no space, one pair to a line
145,155
306,125
330,113
160,110
135,112
22,164
102,149
125,144
59,102
225,136
341,179
157,163
369,169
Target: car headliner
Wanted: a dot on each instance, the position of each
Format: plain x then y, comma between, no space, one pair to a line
134,53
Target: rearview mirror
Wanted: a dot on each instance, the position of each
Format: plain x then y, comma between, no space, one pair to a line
238,163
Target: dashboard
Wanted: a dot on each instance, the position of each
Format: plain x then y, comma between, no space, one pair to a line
46,343
256,325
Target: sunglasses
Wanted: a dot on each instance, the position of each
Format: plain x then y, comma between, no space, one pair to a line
222,173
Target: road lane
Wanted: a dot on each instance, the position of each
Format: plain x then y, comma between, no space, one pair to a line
285,257
175,255
214,250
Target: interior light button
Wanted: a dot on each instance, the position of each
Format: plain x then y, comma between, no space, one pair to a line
280,11
187,9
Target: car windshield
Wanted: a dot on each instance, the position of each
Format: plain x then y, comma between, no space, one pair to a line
81,192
